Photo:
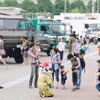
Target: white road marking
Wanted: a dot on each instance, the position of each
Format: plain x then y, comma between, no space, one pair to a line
15,82
25,78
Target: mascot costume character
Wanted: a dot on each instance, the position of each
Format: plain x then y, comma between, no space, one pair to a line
45,80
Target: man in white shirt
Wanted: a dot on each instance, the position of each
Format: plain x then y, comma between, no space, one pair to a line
61,48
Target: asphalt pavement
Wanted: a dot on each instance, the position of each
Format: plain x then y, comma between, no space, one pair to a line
15,80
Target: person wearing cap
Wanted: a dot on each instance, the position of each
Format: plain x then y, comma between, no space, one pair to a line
98,76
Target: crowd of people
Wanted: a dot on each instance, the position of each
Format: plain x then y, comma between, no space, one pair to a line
76,50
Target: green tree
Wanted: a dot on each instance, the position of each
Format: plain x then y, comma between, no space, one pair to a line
97,6
0,4
59,6
10,3
68,6
79,5
29,6
89,6
45,6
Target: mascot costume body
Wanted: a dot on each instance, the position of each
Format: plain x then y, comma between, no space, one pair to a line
45,80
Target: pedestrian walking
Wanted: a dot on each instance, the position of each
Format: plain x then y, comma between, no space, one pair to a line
34,68
55,61
75,47
70,43
61,48
2,51
75,64
98,76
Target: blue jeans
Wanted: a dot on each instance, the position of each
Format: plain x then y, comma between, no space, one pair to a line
79,74
56,72
98,86
61,55
34,72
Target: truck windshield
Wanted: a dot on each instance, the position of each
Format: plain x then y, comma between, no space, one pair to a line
12,24
56,29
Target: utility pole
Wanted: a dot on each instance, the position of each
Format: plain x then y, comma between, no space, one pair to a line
65,6
93,6
98,6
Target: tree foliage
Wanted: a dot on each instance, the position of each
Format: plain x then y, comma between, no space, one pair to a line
59,6
89,6
11,3
45,6
29,6
79,5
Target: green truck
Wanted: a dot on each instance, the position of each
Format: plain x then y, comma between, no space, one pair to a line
52,30
46,33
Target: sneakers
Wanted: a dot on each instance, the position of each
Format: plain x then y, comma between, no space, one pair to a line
77,88
73,89
57,87
63,88
1,87
30,87
35,87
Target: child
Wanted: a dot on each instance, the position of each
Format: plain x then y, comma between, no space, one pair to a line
98,76
63,77
38,51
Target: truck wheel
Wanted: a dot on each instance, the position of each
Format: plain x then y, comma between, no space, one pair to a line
18,59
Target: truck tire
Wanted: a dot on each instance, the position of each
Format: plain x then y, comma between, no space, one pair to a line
18,59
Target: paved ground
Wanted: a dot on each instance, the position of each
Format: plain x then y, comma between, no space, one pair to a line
15,80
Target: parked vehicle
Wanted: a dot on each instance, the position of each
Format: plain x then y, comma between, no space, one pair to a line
12,28
51,30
